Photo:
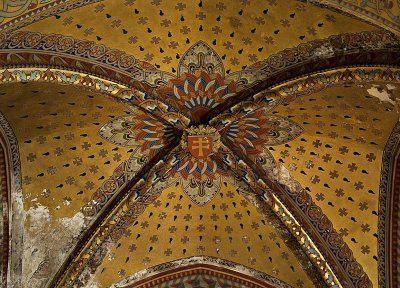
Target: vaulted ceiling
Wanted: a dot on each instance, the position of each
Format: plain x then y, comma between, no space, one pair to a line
199,143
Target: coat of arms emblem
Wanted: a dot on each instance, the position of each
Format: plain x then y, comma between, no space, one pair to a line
200,146
201,141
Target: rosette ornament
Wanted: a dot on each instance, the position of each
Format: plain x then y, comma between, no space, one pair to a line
198,161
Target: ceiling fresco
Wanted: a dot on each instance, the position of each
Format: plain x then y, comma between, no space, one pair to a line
337,158
18,13
160,32
199,143
238,234
57,126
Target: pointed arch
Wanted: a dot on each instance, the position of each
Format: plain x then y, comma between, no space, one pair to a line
389,216
199,268
13,212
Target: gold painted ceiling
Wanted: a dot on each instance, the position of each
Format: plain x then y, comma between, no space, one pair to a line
160,32
199,143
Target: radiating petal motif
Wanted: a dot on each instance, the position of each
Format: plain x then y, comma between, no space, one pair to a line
199,88
200,180
138,130
133,98
191,168
258,129
265,99
198,93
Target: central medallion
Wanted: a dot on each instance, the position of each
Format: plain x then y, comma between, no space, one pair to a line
201,163
201,141
200,173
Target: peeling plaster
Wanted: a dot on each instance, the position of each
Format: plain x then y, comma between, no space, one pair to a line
93,284
67,202
43,238
74,225
283,176
383,94
37,216
324,51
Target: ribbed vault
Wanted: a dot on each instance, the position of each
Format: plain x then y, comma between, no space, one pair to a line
271,151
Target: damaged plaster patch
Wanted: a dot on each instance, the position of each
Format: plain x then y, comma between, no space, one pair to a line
47,244
38,217
324,51
74,225
92,283
45,193
383,94
67,201
282,175
386,95
390,86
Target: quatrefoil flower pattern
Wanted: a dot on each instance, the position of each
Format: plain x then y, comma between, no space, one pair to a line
178,106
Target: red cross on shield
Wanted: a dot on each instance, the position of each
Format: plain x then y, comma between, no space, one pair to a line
200,146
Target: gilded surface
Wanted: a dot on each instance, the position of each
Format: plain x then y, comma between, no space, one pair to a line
129,179
229,228
338,158
160,32
56,126
63,162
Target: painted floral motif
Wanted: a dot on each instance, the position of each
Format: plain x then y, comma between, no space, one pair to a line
198,93
198,164
138,130
259,129
14,8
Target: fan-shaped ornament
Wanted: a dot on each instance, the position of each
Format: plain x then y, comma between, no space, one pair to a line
200,86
